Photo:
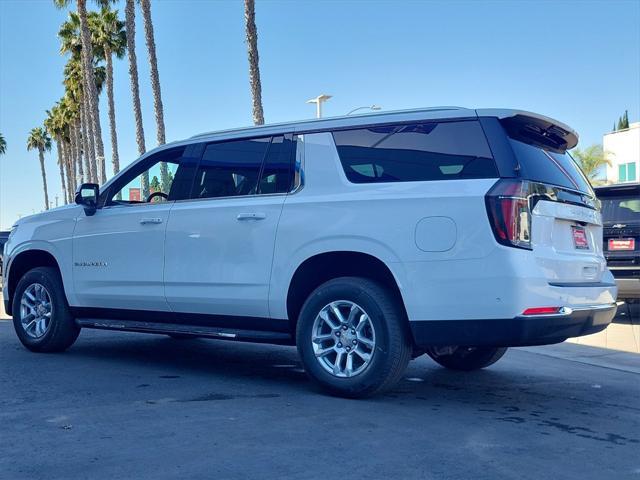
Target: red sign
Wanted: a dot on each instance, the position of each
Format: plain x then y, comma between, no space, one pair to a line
622,244
580,238
134,194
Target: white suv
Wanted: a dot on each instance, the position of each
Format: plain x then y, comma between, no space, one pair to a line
365,241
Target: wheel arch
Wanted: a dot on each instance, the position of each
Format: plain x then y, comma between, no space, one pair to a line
322,267
22,263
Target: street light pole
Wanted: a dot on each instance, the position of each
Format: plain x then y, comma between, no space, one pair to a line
370,107
319,100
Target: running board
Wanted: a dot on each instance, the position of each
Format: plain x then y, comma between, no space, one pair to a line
192,330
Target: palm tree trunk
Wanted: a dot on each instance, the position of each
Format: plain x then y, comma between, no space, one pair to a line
84,144
61,165
88,134
67,169
155,87
44,178
130,25
254,67
75,144
72,168
89,74
115,158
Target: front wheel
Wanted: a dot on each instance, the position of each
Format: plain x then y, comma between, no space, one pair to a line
41,316
352,337
466,358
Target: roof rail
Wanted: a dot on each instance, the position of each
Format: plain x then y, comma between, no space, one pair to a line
327,119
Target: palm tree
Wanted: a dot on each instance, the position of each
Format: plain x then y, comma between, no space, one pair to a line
39,140
130,21
74,81
108,33
590,160
254,67
53,126
74,84
3,145
88,71
155,86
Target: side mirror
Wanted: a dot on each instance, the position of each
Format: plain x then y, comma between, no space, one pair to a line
87,196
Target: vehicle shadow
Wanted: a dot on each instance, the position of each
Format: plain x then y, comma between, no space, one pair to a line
510,382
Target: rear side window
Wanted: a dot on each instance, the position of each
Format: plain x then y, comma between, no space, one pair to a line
415,152
229,169
549,167
277,173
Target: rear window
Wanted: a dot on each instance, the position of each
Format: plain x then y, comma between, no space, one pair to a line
620,209
415,152
549,167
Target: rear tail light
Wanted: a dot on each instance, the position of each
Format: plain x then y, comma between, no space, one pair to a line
547,311
509,211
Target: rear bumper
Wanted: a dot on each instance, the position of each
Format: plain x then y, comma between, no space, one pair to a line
518,331
628,287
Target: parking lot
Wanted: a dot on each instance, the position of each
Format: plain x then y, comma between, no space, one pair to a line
120,405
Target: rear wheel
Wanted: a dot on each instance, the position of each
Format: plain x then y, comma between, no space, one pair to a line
466,358
41,316
352,338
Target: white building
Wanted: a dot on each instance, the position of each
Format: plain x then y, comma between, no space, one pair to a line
623,151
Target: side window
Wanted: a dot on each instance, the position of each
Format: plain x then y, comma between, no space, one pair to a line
229,169
277,172
416,152
152,179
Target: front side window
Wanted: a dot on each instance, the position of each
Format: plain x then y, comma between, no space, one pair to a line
415,152
152,180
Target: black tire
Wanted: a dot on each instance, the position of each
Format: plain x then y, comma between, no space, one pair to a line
392,350
467,358
62,330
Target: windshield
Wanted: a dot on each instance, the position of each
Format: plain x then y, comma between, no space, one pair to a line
549,167
621,209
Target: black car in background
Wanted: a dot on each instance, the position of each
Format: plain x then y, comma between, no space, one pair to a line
621,222
4,236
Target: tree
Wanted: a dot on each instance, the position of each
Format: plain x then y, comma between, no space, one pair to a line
623,122
54,127
254,67
3,145
130,22
39,140
155,86
590,160
154,185
108,32
88,72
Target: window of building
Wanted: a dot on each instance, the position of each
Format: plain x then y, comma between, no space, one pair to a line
627,172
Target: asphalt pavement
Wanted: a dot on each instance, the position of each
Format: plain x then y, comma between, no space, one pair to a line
123,405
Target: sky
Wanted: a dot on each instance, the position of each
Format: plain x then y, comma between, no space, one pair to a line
577,61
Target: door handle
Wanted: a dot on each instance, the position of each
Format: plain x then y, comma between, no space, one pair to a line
251,216
146,221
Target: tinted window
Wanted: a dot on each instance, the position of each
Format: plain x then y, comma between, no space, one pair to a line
417,152
621,209
549,167
229,169
277,172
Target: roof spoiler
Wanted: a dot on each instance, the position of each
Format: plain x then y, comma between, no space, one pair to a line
535,129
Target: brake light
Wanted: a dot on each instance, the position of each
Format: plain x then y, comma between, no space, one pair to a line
542,311
509,213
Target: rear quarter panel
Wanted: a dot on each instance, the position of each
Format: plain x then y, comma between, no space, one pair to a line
421,230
